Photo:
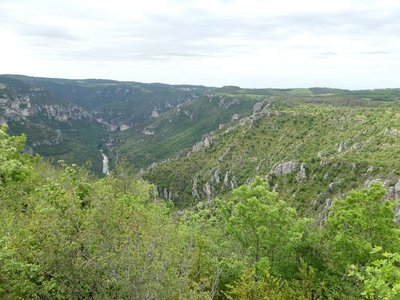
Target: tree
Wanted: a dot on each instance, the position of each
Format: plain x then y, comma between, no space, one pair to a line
14,166
381,278
358,223
267,229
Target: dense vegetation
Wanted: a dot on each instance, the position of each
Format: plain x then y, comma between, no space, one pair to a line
67,235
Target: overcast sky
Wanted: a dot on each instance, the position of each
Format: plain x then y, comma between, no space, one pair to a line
251,43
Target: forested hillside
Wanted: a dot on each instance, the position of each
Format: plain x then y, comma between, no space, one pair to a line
214,193
67,235
74,119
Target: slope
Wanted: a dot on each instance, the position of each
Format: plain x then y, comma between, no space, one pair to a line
310,148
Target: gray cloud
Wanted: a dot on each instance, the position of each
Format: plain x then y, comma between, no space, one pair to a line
69,32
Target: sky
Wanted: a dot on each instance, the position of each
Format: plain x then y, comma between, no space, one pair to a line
352,44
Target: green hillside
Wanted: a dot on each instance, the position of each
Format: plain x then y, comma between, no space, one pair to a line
66,235
176,131
74,119
309,148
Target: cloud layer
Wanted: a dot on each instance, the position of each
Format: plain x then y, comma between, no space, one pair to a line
349,44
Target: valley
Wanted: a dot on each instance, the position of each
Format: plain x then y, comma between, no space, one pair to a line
124,190
196,143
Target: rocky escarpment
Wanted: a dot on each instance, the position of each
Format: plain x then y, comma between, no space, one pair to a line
206,143
21,107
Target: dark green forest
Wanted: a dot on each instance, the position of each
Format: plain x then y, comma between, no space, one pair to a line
67,234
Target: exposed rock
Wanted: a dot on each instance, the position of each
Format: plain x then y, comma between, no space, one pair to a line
392,132
284,168
216,176
227,102
155,113
124,127
257,107
229,129
369,182
397,190
17,108
165,193
206,143
323,216
302,173
226,179
397,217
195,191
391,194
208,190
147,131
235,117
393,191
113,127
233,183
341,147
328,203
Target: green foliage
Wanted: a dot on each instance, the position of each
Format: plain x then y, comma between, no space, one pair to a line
358,223
381,278
66,235
263,225
254,285
14,166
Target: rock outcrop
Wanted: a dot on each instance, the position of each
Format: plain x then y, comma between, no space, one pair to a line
204,144
284,168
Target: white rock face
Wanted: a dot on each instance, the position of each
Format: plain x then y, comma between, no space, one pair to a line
226,179
397,191
235,117
208,190
341,147
302,173
285,168
124,127
147,131
206,143
155,113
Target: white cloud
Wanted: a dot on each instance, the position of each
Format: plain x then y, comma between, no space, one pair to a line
253,43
